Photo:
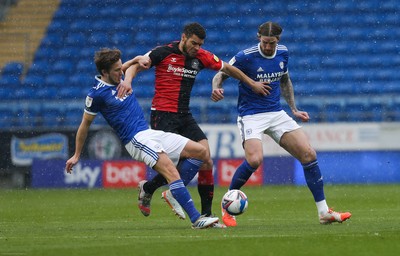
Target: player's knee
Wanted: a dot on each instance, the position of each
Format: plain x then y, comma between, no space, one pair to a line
207,164
308,155
255,161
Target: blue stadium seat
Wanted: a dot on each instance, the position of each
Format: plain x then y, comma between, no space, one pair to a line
13,69
98,39
72,92
76,39
34,80
323,69
6,93
73,115
122,38
47,93
333,112
55,79
10,82
45,53
39,68
314,110
355,112
52,117
66,67
82,80
68,53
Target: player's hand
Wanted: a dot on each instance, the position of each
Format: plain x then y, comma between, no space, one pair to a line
302,115
144,62
262,88
71,163
217,94
123,89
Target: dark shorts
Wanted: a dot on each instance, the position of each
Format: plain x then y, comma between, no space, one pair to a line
180,123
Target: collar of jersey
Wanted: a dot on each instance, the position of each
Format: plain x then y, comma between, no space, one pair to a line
101,81
265,56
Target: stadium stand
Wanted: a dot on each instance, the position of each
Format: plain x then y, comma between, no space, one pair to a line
344,56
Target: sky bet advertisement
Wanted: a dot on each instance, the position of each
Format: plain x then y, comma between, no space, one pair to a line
363,153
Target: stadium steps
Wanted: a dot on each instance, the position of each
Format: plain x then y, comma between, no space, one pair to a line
22,30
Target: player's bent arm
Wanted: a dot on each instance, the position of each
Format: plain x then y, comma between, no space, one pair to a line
288,92
80,139
217,90
257,87
131,68
218,79
143,61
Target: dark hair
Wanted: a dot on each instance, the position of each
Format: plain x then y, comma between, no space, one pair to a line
194,29
105,58
269,28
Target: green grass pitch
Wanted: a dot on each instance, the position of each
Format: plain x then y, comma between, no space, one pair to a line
280,220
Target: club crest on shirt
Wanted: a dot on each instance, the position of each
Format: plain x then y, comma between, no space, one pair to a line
281,65
216,58
249,131
195,64
88,101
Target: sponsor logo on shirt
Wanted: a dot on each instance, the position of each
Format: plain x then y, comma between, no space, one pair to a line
270,77
181,71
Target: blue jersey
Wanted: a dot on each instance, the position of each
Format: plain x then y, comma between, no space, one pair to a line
261,68
124,115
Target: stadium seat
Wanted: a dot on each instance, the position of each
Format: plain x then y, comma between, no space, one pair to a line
314,110
332,112
324,69
13,69
10,82
52,117
38,68
73,115
45,53
356,112
55,79
75,39
63,66
33,80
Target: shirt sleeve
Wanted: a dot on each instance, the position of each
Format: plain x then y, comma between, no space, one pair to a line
210,60
92,104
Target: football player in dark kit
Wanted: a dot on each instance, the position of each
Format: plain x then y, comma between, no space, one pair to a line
176,66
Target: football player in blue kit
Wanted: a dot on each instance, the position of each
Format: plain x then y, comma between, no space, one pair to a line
267,61
157,149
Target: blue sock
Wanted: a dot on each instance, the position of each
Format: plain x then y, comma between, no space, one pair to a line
188,168
314,180
181,194
242,174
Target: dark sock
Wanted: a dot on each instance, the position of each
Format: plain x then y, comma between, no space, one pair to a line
156,182
205,188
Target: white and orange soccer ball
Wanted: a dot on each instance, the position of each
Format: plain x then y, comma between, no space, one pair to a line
234,202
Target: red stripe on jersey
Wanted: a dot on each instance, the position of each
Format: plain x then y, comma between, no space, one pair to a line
176,74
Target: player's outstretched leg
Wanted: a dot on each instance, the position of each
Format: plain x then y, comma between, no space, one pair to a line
182,196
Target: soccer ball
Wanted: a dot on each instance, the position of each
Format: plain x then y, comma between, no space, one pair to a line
234,202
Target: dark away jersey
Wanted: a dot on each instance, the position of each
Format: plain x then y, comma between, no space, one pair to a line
175,75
